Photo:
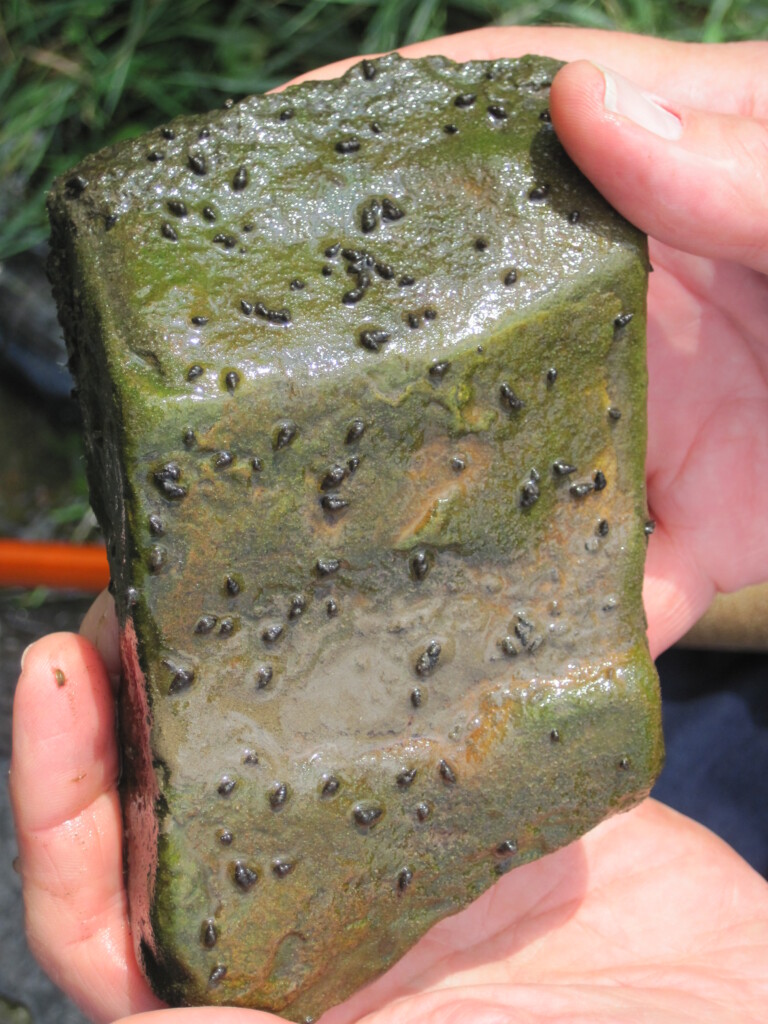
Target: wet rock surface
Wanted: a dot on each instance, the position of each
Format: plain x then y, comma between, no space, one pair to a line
375,528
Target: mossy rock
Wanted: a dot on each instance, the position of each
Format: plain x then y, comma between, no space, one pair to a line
363,376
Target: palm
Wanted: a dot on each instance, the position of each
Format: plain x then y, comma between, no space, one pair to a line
708,435
648,918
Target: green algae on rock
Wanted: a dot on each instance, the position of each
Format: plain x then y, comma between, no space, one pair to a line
363,377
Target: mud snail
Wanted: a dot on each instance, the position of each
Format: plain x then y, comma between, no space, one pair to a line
310,784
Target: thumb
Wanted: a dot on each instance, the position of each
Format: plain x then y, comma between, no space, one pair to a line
690,178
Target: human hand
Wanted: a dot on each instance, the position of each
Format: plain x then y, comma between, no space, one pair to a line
701,198
649,917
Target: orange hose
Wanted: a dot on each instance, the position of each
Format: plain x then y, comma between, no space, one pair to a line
28,563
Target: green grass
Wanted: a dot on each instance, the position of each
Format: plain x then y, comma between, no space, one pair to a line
78,74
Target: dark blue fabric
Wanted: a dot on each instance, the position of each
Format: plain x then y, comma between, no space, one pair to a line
715,708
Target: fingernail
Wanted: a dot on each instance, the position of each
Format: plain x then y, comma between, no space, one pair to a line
25,652
623,97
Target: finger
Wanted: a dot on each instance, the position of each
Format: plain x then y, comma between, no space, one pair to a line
692,179
675,591
688,73
204,1015
63,786
100,627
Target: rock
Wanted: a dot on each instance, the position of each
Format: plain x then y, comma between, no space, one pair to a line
349,358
